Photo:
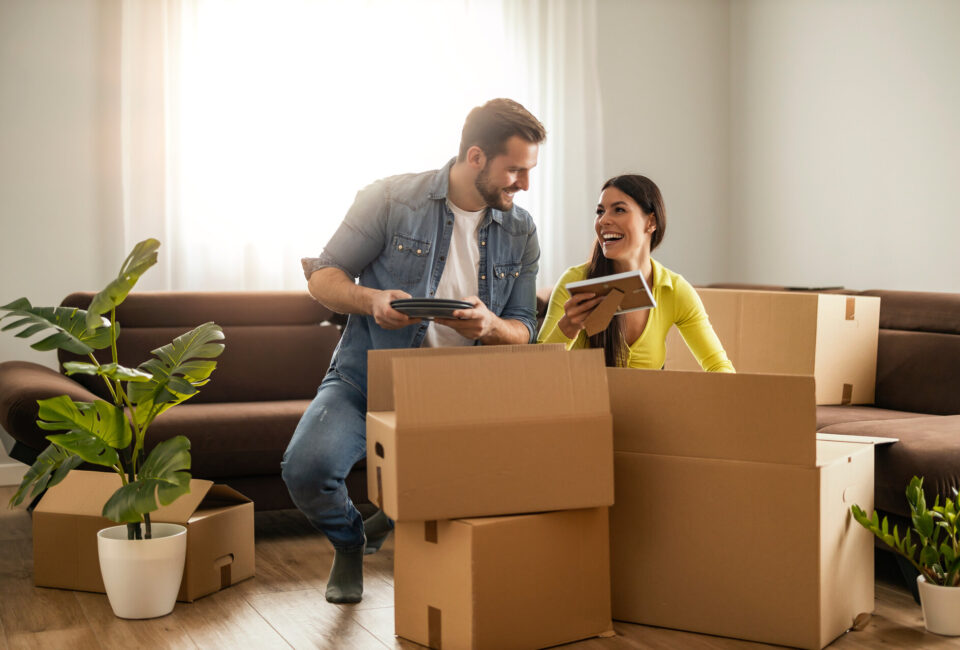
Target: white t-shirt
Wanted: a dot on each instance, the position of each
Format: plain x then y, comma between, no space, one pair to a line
459,277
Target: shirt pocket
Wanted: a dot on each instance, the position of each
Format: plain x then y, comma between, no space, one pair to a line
406,258
504,277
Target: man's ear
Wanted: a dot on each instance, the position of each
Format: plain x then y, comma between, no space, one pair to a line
476,158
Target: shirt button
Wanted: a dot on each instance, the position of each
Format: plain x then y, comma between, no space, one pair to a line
483,243
419,251
400,247
501,274
449,223
516,275
443,258
483,277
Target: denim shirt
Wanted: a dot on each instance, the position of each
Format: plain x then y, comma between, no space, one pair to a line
396,236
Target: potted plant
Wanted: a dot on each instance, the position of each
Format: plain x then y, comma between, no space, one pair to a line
112,434
935,554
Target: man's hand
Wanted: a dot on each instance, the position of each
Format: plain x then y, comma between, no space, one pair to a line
386,316
475,323
575,311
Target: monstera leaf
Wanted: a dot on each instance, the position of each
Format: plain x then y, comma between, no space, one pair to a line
75,331
110,370
51,466
141,258
161,477
179,368
95,430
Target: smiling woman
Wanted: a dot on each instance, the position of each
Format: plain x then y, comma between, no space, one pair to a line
630,222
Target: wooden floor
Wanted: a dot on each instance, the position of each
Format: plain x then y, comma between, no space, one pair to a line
283,606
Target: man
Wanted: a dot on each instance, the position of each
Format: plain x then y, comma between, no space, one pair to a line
450,233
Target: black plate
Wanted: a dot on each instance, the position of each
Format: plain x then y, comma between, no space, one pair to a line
429,307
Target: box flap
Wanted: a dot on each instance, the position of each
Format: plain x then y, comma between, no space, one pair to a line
445,390
85,493
862,440
82,492
751,417
380,375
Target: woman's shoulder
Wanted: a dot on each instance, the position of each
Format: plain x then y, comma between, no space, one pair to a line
574,274
665,277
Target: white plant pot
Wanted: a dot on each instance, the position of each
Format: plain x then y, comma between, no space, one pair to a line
941,607
142,576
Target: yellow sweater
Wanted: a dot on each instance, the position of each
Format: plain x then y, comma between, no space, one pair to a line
677,304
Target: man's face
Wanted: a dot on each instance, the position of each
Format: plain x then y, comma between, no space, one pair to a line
504,175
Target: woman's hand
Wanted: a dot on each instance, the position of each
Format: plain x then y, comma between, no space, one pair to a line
575,311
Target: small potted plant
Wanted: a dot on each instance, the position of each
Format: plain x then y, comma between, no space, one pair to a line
935,554
112,434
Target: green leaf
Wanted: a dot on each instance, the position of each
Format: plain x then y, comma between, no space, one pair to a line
161,477
930,557
51,467
94,430
179,368
74,331
141,258
110,370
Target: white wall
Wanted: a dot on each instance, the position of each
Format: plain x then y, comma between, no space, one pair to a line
57,195
664,86
846,143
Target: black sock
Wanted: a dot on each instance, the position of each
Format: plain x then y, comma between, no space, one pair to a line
377,528
345,584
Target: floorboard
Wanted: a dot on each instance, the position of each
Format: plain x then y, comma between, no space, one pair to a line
283,606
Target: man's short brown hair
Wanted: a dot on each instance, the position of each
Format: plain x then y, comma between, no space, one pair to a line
491,125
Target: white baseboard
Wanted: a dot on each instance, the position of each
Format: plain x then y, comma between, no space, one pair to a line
11,472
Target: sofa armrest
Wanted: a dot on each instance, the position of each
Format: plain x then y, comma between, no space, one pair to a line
22,383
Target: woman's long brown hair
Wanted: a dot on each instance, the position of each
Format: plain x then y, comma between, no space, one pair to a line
647,195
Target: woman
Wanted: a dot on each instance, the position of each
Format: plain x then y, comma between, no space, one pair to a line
630,223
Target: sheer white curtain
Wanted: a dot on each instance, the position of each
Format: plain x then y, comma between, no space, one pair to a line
248,127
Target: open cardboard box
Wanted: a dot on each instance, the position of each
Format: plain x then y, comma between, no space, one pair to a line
731,517
832,337
523,581
471,432
219,523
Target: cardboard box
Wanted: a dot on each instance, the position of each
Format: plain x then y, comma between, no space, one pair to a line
526,581
731,517
470,432
219,523
829,336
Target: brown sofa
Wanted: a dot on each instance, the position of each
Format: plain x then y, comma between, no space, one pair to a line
278,347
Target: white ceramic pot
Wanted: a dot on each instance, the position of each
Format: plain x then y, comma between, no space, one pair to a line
142,576
941,607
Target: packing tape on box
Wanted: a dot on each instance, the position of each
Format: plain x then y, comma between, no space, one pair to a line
433,627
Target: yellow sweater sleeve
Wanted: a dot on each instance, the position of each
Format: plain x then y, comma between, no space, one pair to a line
550,331
697,332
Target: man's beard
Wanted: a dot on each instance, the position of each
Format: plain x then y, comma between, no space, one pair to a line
491,195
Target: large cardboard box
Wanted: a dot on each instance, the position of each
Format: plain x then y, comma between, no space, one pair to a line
731,517
829,336
525,581
472,432
219,523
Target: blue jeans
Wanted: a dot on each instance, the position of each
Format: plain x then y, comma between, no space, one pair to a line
330,438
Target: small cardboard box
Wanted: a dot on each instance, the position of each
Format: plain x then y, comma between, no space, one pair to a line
829,336
473,432
525,581
731,517
219,523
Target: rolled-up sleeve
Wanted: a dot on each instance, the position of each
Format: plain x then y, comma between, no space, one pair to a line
359,238
521,305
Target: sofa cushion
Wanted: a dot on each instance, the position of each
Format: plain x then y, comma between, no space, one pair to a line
918,310
919,372
927,447
830,414
234,439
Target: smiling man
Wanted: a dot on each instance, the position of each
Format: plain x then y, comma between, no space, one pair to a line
451,233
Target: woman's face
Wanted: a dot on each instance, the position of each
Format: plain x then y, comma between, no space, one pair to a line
623,228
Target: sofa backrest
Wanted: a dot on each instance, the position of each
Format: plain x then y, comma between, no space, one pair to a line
278,343
918,353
